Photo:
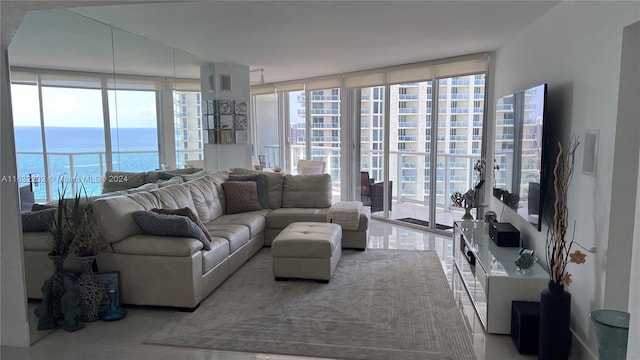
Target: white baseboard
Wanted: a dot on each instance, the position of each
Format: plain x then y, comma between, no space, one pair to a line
579,349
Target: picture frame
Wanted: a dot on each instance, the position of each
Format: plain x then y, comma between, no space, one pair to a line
225,107
240,107
110,280
590,159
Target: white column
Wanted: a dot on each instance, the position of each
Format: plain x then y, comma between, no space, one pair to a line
15,323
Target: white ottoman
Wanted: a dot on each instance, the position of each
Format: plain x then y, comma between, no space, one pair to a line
307,250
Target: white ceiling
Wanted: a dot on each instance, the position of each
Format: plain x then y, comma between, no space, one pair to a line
298,39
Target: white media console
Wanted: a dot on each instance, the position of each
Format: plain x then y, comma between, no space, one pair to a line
490,276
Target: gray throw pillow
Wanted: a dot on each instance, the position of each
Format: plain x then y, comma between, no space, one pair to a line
188,213
40,220
170,225
262,185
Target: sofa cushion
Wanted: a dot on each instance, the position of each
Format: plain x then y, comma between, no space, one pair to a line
280,218
41,220
205,198
170,225
185,212
218,253
262,186
121,180
174,197
37,241
172,181
218,179
241,196
194,176
254,220
154,245
113,214
236,235
275,180
307,191
145,187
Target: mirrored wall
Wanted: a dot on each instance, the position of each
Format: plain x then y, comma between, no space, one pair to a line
88,98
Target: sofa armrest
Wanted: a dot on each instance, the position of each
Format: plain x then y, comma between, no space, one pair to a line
154,245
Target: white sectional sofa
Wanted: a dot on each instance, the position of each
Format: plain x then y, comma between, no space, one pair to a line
178,271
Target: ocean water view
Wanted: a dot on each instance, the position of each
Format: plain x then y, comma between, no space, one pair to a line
80,152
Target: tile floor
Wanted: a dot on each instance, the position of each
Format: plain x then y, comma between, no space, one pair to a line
123,339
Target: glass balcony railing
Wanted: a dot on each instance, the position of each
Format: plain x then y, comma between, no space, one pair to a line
407,111
408,96
89,168
408,124
504,107
323,112
459,123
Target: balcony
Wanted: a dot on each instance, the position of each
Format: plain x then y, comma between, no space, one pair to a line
322,112
477,124
325,138
477,96
325,126
504,136
459,137
407,111
408,124
86,167
460,96
459,82
407,138
504,107
457,110
504,122
408,96
458,123
478,110
325,97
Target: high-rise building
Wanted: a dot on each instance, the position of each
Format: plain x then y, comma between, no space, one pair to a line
188,126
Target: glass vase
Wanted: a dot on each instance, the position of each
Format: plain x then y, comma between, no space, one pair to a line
113,312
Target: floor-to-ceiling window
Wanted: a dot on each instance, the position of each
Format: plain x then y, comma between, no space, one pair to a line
134,129
60,120
187,125
265,123
416,124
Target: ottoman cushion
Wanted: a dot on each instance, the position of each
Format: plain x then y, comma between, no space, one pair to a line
307,250
307,240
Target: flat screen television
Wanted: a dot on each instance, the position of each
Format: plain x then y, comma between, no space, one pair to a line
518,157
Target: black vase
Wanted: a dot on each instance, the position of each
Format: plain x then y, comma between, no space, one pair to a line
57,286
555,317
90,289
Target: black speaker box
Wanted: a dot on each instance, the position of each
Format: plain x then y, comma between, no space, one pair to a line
525,326
504,234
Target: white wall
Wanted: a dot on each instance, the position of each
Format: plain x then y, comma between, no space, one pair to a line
15,325
576,49
630,86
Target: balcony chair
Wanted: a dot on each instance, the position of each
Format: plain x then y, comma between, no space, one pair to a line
372,194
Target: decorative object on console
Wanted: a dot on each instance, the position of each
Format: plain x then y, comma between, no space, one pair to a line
504,234
526,258
473,197
490,216
555,302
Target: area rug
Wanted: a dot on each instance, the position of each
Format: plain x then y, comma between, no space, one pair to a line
425,223
379,305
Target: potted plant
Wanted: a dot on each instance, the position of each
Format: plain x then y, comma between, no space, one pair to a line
86,245
50,312
555,302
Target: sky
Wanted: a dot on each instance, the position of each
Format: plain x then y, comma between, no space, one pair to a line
69,107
